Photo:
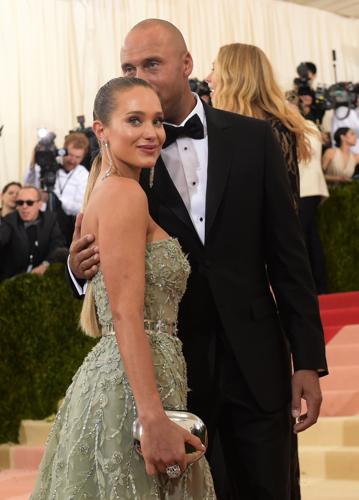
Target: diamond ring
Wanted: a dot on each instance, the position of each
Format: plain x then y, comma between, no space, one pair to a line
173,471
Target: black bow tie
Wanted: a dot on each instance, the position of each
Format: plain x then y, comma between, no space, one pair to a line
192,128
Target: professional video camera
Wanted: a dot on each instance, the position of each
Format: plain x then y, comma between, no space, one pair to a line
93,149
47,156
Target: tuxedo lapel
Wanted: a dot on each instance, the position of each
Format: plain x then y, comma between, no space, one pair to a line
164,189
219,161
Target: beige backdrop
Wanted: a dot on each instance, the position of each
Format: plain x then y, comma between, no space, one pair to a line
54,54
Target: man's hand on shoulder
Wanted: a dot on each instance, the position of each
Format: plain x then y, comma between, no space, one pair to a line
305,385
84,256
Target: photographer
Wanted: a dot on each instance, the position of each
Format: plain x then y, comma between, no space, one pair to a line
308,105
70,183
29,239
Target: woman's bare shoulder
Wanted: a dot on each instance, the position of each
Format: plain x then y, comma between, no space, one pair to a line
329,153
119,191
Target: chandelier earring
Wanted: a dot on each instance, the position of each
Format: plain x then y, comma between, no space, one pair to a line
152,176
108,154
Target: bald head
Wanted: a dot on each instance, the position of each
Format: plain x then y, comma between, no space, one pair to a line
155,51
162,29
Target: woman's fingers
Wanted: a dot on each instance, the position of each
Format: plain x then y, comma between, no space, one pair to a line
194,441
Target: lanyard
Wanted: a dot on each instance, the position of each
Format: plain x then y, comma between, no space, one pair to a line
68,177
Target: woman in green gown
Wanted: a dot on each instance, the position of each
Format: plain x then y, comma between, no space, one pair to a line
137,369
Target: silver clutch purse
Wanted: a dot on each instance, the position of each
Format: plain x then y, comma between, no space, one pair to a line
187,421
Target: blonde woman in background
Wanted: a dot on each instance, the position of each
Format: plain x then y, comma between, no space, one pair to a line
242,81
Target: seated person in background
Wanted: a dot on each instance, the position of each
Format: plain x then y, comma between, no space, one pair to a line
339,163
313,190
70,184
8,198
344,116
29,239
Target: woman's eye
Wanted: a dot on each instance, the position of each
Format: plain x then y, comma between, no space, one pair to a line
158,122
134,120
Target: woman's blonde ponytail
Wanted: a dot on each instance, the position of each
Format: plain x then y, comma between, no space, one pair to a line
104,106
88,318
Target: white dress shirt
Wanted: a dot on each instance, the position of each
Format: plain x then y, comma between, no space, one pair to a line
69,187
186,162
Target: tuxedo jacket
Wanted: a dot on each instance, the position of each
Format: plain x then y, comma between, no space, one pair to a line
15,246
253,241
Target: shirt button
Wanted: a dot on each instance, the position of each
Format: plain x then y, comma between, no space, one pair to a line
193,183
201,219
185,148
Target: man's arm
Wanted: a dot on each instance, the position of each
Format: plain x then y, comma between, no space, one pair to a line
291,279
83,260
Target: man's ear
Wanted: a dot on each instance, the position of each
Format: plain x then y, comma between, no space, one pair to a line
188,64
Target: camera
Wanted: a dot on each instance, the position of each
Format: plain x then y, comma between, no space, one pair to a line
47,157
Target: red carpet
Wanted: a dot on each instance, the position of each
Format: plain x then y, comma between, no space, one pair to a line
338,310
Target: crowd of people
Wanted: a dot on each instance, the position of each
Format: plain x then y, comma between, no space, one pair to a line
229,196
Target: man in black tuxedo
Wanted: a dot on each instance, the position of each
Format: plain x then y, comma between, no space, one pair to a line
224,193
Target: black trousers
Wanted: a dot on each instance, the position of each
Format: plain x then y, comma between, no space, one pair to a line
308,214
249,450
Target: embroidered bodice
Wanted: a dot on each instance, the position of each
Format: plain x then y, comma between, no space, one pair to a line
166,274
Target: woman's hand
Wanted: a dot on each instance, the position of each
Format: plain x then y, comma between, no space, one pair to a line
163,444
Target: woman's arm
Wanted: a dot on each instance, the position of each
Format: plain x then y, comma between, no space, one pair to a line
122,234
327,158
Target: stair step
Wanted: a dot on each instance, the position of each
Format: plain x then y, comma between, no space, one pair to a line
339,300
341,377
348,335
340,402
34,432
330,462
342,354
332,431
329,489
342,316
17,456
16,484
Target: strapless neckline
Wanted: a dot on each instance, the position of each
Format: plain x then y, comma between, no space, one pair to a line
158,242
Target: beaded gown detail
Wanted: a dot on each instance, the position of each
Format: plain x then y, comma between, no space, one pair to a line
90,452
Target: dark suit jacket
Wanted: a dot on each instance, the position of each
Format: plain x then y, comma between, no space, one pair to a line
253,239
14,243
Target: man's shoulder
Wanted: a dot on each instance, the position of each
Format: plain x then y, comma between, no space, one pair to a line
82,171
11,219
227,118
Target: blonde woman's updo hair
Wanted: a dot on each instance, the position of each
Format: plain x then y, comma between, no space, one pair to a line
104,106
245,84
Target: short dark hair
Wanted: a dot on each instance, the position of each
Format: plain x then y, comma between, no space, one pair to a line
311,67
338,135
6,187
